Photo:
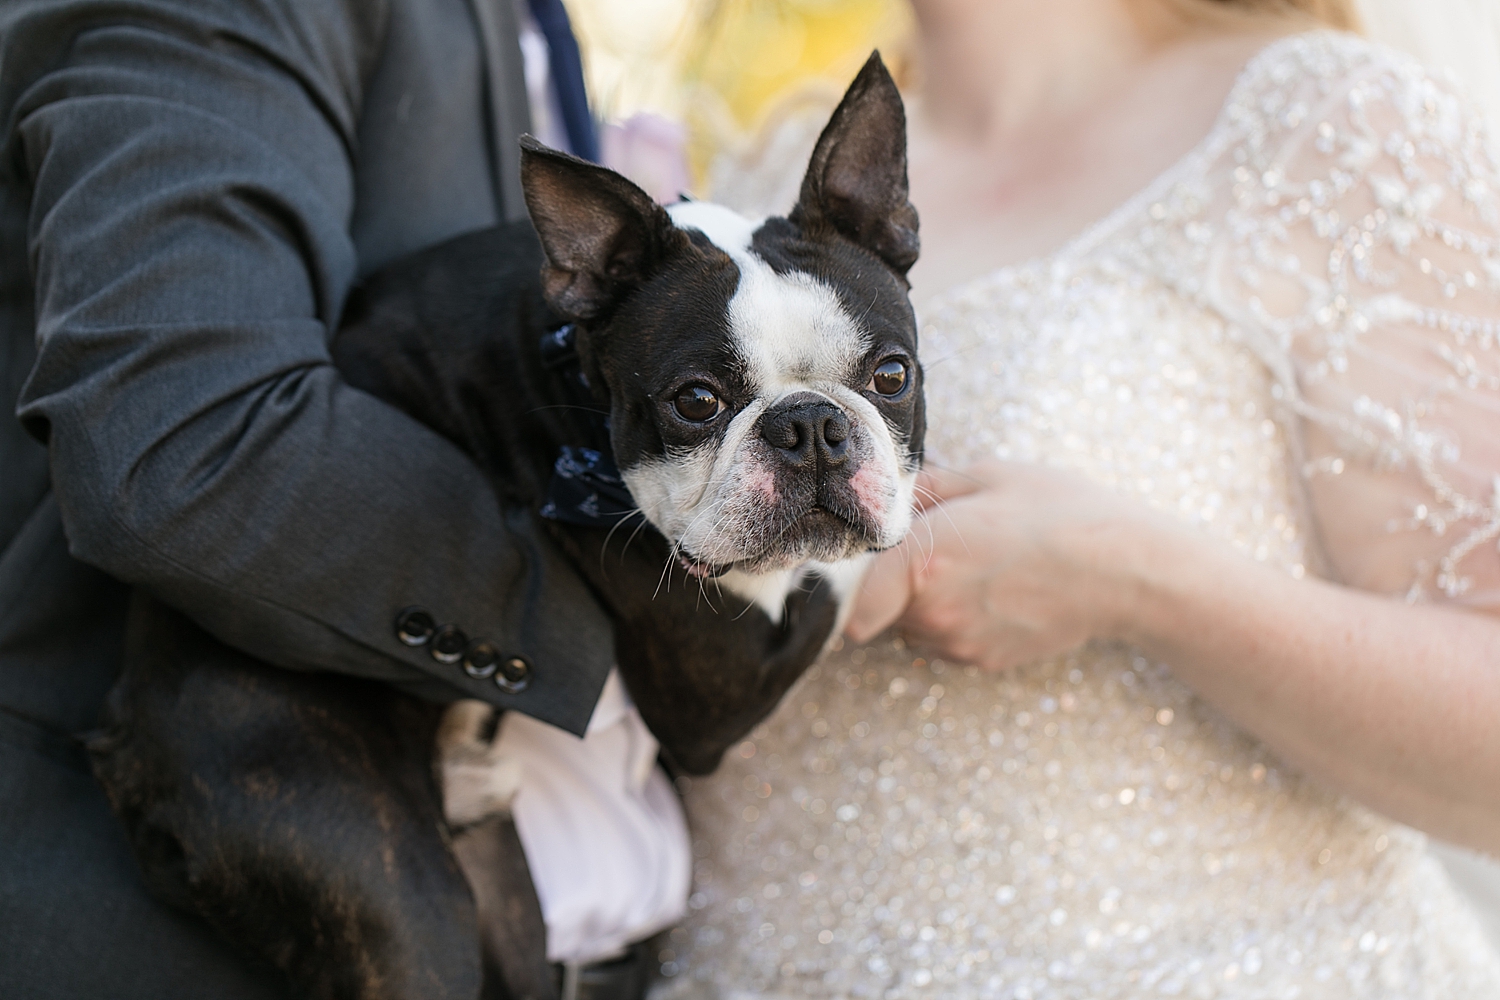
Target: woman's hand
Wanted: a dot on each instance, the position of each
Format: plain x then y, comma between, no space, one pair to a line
1393,703
1009,562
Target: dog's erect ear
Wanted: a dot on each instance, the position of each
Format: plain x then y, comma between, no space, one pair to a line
856,180
602,234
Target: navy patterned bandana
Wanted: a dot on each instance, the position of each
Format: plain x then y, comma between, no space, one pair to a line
586,488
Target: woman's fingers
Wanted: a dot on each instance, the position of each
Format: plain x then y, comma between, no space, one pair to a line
883,595
936,485
887,586
1002,565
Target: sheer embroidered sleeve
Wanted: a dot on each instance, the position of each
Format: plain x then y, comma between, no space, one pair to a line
1361,256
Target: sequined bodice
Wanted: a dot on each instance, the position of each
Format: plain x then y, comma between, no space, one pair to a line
1084,826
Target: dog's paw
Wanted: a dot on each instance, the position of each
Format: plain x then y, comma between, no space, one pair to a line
478,781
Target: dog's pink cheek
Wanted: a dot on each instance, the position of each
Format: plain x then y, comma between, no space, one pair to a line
762,481
871,489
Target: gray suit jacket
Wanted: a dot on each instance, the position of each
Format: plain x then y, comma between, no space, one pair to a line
189,189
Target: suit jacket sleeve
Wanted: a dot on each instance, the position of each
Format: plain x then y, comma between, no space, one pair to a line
191,174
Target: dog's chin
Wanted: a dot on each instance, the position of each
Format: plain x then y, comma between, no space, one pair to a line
819,535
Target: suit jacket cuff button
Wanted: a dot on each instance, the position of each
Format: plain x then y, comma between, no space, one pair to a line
481,659
415,626
448,644
514,676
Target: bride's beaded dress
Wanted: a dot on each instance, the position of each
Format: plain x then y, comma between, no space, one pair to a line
1290,341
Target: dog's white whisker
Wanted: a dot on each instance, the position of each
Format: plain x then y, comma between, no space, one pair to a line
604,548
666,571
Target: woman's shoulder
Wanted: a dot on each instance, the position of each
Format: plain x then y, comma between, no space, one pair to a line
1321,82
1331,60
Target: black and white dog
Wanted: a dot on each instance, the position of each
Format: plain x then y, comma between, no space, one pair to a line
765,412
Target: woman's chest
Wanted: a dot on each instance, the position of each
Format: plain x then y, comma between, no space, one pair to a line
1096,367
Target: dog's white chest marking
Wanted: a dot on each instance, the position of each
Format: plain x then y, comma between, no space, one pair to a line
767,591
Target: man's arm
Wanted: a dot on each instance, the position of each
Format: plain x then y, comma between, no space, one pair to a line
192,174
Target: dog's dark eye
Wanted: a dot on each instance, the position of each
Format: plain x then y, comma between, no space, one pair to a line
889,379
697,403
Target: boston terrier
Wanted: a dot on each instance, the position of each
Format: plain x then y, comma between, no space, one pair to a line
716,419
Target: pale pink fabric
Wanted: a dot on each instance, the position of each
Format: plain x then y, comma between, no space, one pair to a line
650,150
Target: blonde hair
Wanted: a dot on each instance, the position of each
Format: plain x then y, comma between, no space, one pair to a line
1341,14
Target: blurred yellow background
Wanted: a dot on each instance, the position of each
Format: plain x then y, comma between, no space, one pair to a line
724,68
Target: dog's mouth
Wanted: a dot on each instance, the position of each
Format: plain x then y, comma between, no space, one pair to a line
698,569
818,533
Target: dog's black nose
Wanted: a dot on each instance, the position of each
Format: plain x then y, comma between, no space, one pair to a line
808,431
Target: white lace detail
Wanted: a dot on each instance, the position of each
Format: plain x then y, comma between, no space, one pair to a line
1352,232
